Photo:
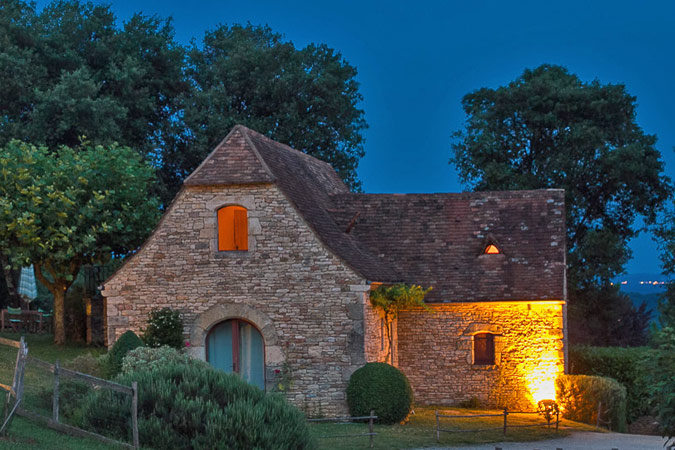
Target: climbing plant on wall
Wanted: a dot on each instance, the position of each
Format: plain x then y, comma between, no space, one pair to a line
393,299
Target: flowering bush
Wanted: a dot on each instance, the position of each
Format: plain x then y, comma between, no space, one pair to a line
165,327
151,358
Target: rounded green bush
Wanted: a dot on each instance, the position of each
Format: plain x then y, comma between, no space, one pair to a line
127,342
382,388
191,405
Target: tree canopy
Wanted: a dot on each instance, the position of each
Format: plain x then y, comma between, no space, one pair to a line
70,73
306,98
549,129
79,206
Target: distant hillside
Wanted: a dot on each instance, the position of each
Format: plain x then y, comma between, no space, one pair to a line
643,287
642,283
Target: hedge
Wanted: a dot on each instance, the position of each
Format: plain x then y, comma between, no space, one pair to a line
579,396
628,366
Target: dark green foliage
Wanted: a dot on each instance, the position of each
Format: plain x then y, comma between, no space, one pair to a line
127,342
165,327
628,366
661,380
307,98
380,387
190,405
605,316
549,129
579,396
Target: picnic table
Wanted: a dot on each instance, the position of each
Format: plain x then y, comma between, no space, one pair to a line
17,320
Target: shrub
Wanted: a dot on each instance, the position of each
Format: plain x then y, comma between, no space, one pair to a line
579,396
149,358
628,366
189,404
128,341
165,327
382,388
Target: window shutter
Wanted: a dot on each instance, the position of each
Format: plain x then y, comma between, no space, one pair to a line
240,230
225,230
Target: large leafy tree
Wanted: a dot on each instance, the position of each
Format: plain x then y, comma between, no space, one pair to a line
79,206
70,72
307,98
549,129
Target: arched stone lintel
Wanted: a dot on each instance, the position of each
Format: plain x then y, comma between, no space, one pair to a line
274,355
219,201
477,327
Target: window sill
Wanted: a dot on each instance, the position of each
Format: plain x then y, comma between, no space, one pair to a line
223,254
483,366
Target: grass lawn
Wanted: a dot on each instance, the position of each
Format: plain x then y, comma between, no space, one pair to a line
420,431
25,434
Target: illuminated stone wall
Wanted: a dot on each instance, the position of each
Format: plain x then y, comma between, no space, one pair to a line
435,352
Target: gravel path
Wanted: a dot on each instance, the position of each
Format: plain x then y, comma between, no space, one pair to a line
581,440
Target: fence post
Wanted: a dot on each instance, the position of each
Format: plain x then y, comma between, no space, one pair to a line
55,401
557,419
370,426
134,413
506,413
438,428
597,421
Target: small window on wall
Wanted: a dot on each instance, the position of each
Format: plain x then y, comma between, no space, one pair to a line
484,349
232,229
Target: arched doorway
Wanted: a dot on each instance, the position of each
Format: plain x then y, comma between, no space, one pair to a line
237,346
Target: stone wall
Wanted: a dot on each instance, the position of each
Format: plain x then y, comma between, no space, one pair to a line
375,337
435,352
307,304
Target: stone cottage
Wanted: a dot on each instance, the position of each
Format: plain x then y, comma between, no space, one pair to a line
270,260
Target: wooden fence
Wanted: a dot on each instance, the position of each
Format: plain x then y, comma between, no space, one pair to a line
371,433
503,428
60,373
16,389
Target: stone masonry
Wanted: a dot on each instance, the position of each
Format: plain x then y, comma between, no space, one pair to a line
436,352
308,305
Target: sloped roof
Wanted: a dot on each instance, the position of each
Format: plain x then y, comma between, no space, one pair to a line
429,239
439,240
306,181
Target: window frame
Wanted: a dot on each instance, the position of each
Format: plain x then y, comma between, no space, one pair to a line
234,228
236,366
489,357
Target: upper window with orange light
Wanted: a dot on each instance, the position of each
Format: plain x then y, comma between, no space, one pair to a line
491,249
232,229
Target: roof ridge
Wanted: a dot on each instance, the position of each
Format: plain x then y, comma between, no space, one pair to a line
247,130
244,131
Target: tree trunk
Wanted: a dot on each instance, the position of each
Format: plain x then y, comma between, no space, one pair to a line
10,282
59,315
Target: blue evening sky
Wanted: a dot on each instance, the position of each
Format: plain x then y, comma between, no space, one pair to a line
417,59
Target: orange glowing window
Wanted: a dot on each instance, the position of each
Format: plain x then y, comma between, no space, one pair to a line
232,229
491,250
484,349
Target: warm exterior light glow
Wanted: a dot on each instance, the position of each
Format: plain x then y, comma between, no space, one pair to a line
541,378
492,250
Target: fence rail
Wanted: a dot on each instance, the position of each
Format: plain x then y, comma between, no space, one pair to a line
502,428
60,373
371,433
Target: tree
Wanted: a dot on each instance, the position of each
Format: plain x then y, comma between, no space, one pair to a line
549,129
306,98
391,300
70,71
60,210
